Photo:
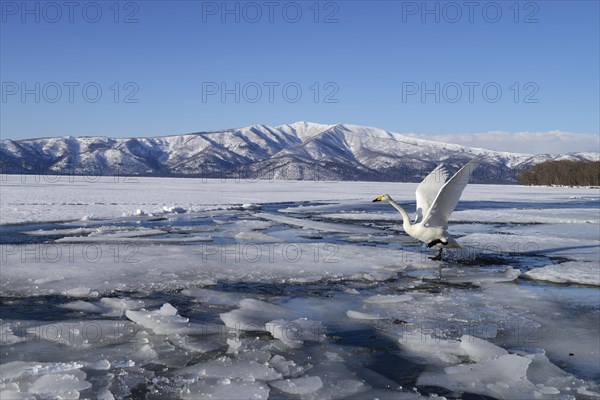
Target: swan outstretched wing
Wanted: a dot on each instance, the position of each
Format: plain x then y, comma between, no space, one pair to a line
428,190
448,196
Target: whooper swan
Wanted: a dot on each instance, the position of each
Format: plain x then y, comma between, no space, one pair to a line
436,199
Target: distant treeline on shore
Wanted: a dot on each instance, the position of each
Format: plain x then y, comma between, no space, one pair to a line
562,173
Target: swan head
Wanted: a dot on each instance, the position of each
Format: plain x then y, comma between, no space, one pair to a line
383,197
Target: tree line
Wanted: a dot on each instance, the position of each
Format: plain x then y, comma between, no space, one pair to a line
563,173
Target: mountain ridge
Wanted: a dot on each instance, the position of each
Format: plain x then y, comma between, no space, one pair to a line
298,151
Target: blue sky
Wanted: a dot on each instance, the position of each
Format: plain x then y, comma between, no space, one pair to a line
357,62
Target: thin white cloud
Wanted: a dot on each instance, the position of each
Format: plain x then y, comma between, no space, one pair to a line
551,142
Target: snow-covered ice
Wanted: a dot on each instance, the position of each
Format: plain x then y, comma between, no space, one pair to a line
195,289
586,273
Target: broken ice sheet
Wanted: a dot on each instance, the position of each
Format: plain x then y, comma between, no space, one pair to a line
497,373
379,273
46,380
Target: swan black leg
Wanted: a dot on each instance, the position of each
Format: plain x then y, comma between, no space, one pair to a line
438,256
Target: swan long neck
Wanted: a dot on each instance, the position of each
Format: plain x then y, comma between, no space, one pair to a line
405,217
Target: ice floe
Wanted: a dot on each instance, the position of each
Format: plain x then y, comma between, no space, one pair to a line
585,273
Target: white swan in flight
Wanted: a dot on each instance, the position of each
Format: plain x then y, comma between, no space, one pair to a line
436,199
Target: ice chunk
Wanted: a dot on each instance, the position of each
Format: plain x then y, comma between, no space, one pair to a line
16,369
164,321
203,344
61,232
11,392
41,281
105,394
80,292
245,225
299,386
585,392
479,276
225,367
585,273
372,276
124,364
306,279
65,386
234,389
168,310
101,365
7,334
387,299
122,304
294,333
310,224
255,349
550,379
84,306
338,382
128,379
47,380
387,394
253,315
503,377
174,209
135,237
287,368
435,350
234,345
479,349
256,236
361,315
146,352
215,297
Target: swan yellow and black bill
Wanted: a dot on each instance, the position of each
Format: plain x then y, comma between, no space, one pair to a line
378,198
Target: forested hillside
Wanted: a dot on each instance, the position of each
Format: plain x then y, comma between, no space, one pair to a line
563,172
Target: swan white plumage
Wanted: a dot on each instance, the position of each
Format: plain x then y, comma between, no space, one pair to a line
436,199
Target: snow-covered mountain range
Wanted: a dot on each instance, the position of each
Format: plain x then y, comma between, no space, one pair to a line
302,150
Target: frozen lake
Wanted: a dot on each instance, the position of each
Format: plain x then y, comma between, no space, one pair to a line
154,288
